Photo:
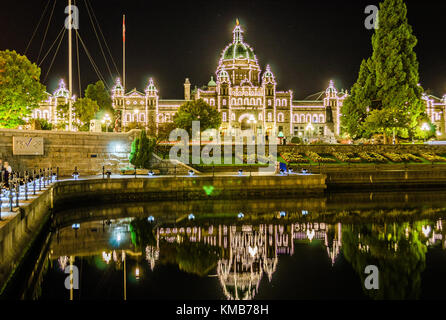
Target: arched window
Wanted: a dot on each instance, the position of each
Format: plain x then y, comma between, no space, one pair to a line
246,102
302,118
321,118
206,100
233,116
233,102
212,102
278,102
315,119
45,114
308,118
224,102
269,102
240,101
259,102
280,117
223,116
142,117
38,114
260,117
128,117
296,118
283,102
270,116
253,102
160,118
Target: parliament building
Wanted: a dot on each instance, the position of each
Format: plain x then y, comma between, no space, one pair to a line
247,98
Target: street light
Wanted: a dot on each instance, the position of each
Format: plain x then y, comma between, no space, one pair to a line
107,121
425,127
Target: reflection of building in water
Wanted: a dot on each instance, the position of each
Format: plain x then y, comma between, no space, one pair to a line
248,252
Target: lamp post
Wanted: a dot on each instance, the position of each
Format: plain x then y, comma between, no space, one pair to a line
106,120
253,122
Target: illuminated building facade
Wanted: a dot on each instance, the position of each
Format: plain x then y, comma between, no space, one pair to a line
246,97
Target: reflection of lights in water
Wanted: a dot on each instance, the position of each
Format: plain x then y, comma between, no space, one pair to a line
240,215
191,216
137,273
252,251
426,230
63,261
106,257
310,235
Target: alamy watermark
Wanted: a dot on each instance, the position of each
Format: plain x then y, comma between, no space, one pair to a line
372,280
211,153
72,280
74,23
372,20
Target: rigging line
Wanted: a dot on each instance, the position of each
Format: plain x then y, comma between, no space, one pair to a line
96,69
52,45
99,41
103,37
46,30
38,25
54,57
78,64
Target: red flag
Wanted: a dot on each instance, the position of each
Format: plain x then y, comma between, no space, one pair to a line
123,28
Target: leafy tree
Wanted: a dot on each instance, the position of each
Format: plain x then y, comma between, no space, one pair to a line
389,81
97,92
134,151
197,110
41,124
20,88
84,110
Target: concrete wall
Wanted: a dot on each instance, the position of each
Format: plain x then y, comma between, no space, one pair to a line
88,151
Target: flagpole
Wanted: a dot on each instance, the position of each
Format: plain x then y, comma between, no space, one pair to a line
123,65
70,75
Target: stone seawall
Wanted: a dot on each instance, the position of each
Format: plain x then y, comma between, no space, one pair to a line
88,151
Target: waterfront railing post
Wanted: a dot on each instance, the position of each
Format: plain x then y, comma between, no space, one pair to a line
57,174
26,185
10,194
17,193
1,203
135,172
103,172
34,182
40,179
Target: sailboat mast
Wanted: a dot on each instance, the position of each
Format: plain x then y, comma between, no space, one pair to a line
123,120
70,69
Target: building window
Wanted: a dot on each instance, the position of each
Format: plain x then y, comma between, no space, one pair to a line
206,100
308,118
233,117
240,101
128,117
142,117
296,118
302,118
38,114
45,115
280,117
278,102
253,102
223,116
212,102
284,102
246,102
315,119
270,116
260,117
259,102
269,102
224,102
233,102
321,118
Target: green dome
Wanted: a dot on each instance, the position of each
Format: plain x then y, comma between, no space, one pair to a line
238,50
212,83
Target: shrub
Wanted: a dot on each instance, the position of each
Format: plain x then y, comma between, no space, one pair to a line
317,158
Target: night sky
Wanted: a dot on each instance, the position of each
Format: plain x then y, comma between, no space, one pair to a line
307,43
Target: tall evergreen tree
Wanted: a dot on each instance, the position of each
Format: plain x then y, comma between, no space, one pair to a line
390,91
